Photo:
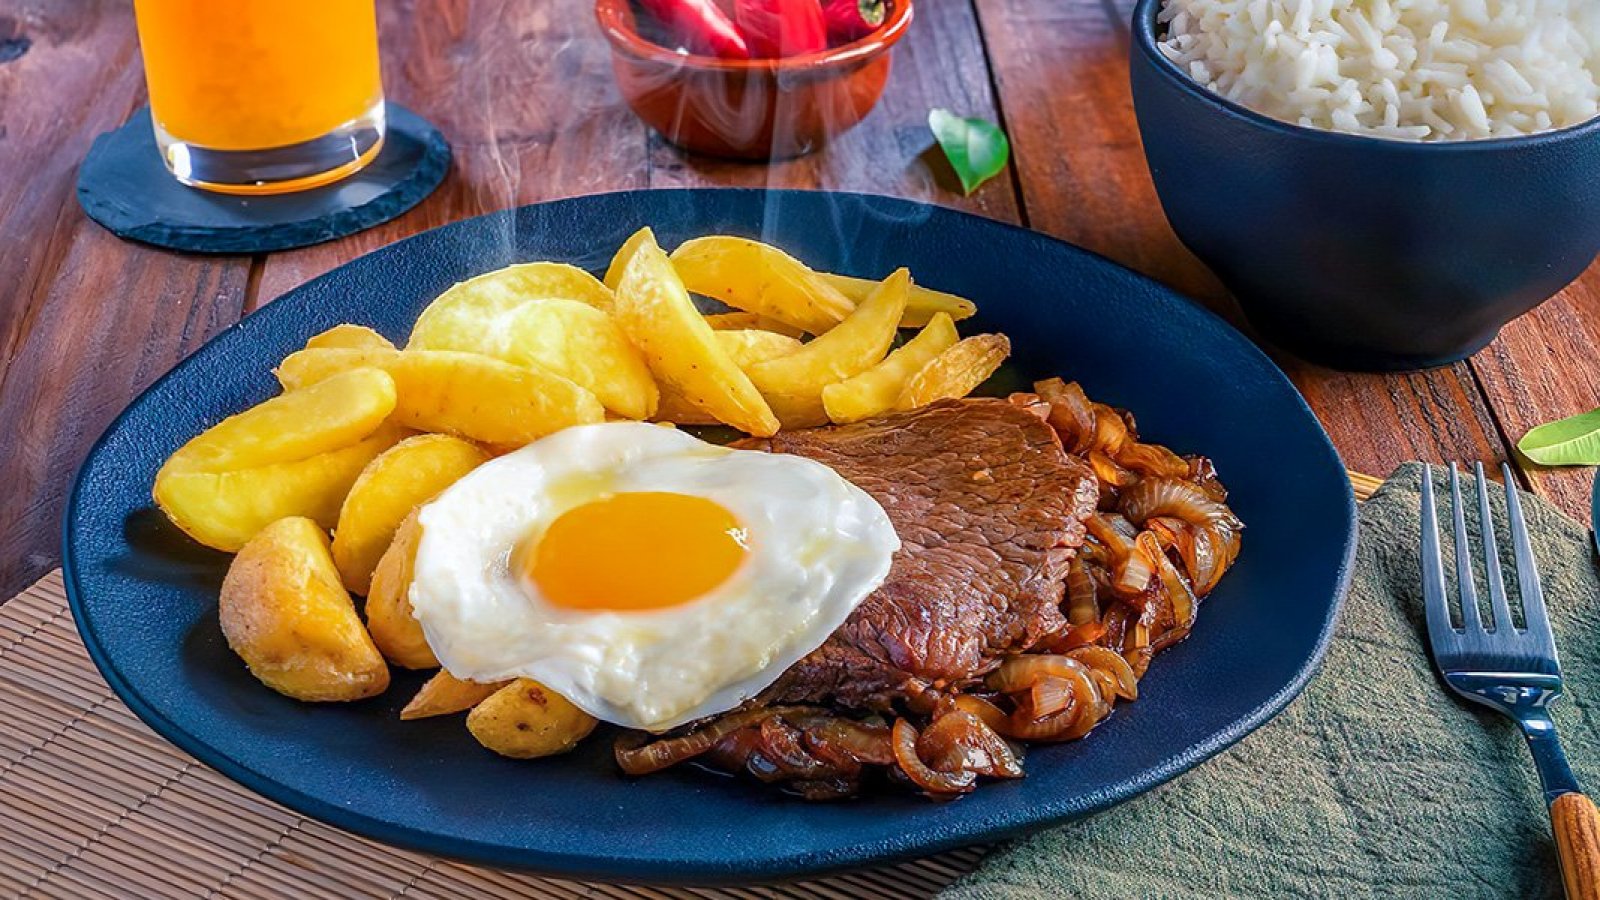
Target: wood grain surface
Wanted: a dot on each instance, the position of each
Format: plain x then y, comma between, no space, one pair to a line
523,91
1576,824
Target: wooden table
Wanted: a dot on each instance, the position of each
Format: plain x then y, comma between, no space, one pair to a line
523,91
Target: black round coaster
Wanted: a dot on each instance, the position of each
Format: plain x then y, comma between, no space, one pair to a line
124,186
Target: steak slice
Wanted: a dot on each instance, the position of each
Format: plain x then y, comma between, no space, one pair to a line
989,510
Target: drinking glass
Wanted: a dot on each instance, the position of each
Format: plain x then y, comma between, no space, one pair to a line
262,96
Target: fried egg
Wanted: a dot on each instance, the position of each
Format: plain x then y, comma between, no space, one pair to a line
649,577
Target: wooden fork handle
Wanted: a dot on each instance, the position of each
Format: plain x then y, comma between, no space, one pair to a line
1576,823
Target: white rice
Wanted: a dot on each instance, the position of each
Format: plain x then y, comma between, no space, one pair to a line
1423,70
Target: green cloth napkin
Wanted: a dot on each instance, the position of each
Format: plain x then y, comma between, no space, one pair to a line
1376,782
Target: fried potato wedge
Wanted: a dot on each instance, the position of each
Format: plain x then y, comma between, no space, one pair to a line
793,383
224,510
394,627
484,399
957,371
465,394
444,694
525,719
745,347
313,365
876,390
285,614
295,425
742,321
349,337
471,303
761,279
294,455
655,312
570,338
389,488
619,260
921,305
748,346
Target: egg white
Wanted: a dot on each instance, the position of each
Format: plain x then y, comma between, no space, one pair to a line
817,545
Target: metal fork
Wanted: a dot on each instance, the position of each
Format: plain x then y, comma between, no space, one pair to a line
1512,670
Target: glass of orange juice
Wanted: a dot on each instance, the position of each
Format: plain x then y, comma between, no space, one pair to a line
263,96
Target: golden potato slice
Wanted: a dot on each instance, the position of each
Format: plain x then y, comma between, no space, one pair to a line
675,409
745,347
957,371
619,260
761,279
740,321
313,365
285,614
525,719
921,304
793,383
296,425
294,455
393,625
473,303
349,337
389,488
655,312
444,694
572,339
875,391
465,394
226,509
748,346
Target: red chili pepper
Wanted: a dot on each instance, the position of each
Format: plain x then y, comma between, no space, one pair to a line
851,20
778,28
700,25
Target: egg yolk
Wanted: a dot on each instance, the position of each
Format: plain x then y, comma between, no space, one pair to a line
636,551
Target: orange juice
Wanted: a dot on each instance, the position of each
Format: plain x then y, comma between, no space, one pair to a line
257,75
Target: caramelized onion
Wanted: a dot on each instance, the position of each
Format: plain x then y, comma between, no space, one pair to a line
1153,461
637,759
1019,673
1108,471
1171,497
780,743
1107,531
1184,604
1041,730
1137,568
1082,607
866,744
959,741
1071,413
1100,659
1030,722
1110,431
1049,696
1204,473
904,741
1078,636
986,712
1116,623
1065,726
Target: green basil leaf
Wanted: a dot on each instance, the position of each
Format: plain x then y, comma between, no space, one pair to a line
871,11
1573,441
977,150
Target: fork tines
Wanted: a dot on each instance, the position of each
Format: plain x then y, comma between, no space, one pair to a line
1497,645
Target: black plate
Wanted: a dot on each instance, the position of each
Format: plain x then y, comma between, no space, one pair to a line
145,596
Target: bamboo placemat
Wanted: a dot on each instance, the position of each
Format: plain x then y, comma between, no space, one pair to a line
94,804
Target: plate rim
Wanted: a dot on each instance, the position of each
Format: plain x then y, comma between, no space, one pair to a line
728,870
